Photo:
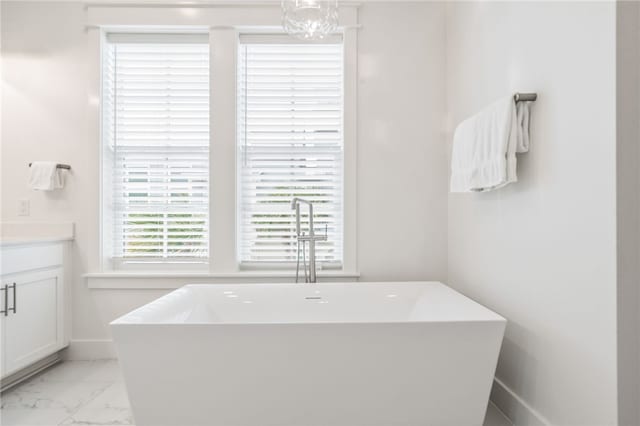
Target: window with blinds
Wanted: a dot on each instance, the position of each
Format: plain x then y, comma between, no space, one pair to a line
155,106
290,144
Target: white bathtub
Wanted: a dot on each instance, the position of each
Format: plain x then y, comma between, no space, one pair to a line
358,354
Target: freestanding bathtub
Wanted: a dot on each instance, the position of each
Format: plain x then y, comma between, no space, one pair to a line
356,354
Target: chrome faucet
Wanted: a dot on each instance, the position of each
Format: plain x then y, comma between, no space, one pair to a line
311,239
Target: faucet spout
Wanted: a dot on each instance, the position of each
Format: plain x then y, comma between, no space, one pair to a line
298,200
294,203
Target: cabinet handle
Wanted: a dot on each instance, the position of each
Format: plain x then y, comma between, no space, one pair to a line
15,292
5,311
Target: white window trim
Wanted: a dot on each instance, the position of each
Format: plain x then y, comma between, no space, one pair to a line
172,280
224,24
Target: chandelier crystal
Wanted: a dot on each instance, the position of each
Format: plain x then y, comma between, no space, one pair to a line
310,19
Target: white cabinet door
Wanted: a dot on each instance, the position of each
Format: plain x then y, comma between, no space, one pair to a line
35,329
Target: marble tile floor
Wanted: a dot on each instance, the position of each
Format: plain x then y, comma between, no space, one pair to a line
88,393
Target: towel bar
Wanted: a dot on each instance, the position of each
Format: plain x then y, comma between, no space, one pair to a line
525,97
59,166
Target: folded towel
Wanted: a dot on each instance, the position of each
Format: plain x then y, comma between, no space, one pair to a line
485,146
45,176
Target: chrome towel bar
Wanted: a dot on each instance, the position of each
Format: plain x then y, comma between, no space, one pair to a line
59,166
525,97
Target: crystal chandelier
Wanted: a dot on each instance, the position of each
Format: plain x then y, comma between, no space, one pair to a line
310,19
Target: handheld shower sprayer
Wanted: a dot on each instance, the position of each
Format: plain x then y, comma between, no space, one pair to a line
302,238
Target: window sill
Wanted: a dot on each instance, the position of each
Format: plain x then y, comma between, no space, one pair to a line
159,280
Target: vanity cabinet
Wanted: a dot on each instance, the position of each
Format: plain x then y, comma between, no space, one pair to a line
32,304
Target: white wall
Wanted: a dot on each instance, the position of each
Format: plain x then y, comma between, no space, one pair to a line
401,152
44,115
402,165
542,252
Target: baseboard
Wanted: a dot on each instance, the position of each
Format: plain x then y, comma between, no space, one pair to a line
514,407
86,350
30,371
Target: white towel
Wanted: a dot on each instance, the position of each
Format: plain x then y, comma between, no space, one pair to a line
523,112
45,176
485,146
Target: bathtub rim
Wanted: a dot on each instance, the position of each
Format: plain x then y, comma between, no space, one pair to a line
489,315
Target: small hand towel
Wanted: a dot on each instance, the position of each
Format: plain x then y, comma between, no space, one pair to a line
45,176
484,148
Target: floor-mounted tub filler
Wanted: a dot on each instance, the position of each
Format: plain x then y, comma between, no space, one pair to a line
358,354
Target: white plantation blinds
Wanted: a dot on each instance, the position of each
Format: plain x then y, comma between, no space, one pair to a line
156,130
290,142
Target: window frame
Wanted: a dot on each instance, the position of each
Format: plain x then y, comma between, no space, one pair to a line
223,23
142,263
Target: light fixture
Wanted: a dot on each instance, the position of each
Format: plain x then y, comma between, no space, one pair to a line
310,19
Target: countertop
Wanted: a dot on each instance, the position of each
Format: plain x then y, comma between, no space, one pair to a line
30,233
18,241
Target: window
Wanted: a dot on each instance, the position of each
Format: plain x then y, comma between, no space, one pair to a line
155,127
290,144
